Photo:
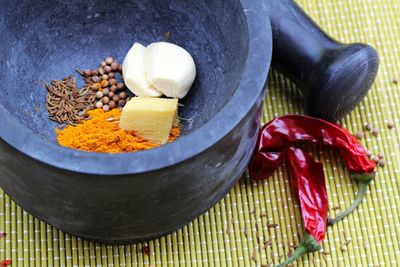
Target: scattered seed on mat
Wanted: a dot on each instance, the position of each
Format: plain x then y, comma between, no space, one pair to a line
375,132
390,125
359,135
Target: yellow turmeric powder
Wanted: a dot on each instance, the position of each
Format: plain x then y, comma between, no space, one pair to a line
101,133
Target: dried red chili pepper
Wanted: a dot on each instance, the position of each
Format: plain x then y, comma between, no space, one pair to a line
5,263
281,133
309,183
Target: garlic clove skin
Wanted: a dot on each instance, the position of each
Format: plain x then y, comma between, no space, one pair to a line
134,74
169,68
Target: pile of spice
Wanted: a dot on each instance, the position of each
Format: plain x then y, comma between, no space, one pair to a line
65,103
111,93
68,105
101,133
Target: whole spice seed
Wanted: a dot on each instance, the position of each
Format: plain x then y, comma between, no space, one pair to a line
66,104
359,135
121,103
120,86
96,79
267,244
375,132
272,225
146,250
106,91
368,127
107,69
122,95
99,104
109,60
112,81
87,73
381,162
103,64
106,108
114,66
112,104
111,74
390,125
111,94
254,255
104,77
99,94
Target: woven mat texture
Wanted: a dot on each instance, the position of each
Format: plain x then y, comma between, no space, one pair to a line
237,231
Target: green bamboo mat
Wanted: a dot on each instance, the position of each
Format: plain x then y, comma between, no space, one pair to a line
238,230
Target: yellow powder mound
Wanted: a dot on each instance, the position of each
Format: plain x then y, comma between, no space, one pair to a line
101,133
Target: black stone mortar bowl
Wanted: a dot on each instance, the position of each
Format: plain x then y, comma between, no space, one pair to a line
131,197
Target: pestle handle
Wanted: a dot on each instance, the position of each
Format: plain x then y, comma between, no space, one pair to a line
333,77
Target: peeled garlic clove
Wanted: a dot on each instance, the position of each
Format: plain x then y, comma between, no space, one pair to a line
134,74
169,68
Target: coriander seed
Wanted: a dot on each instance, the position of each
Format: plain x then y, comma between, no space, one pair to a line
106,91
122,95
121,103
381,162
109,60
99,104
104,77
116,98
112,81
111,94
120,86
390,125
101,70
111,75
113,88
375,132
112,104
368,126
107,69
99,94
95,73
103,64
106,100
106,108
359,135
114,66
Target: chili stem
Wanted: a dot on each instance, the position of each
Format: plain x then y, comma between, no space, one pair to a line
307,245
363,181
